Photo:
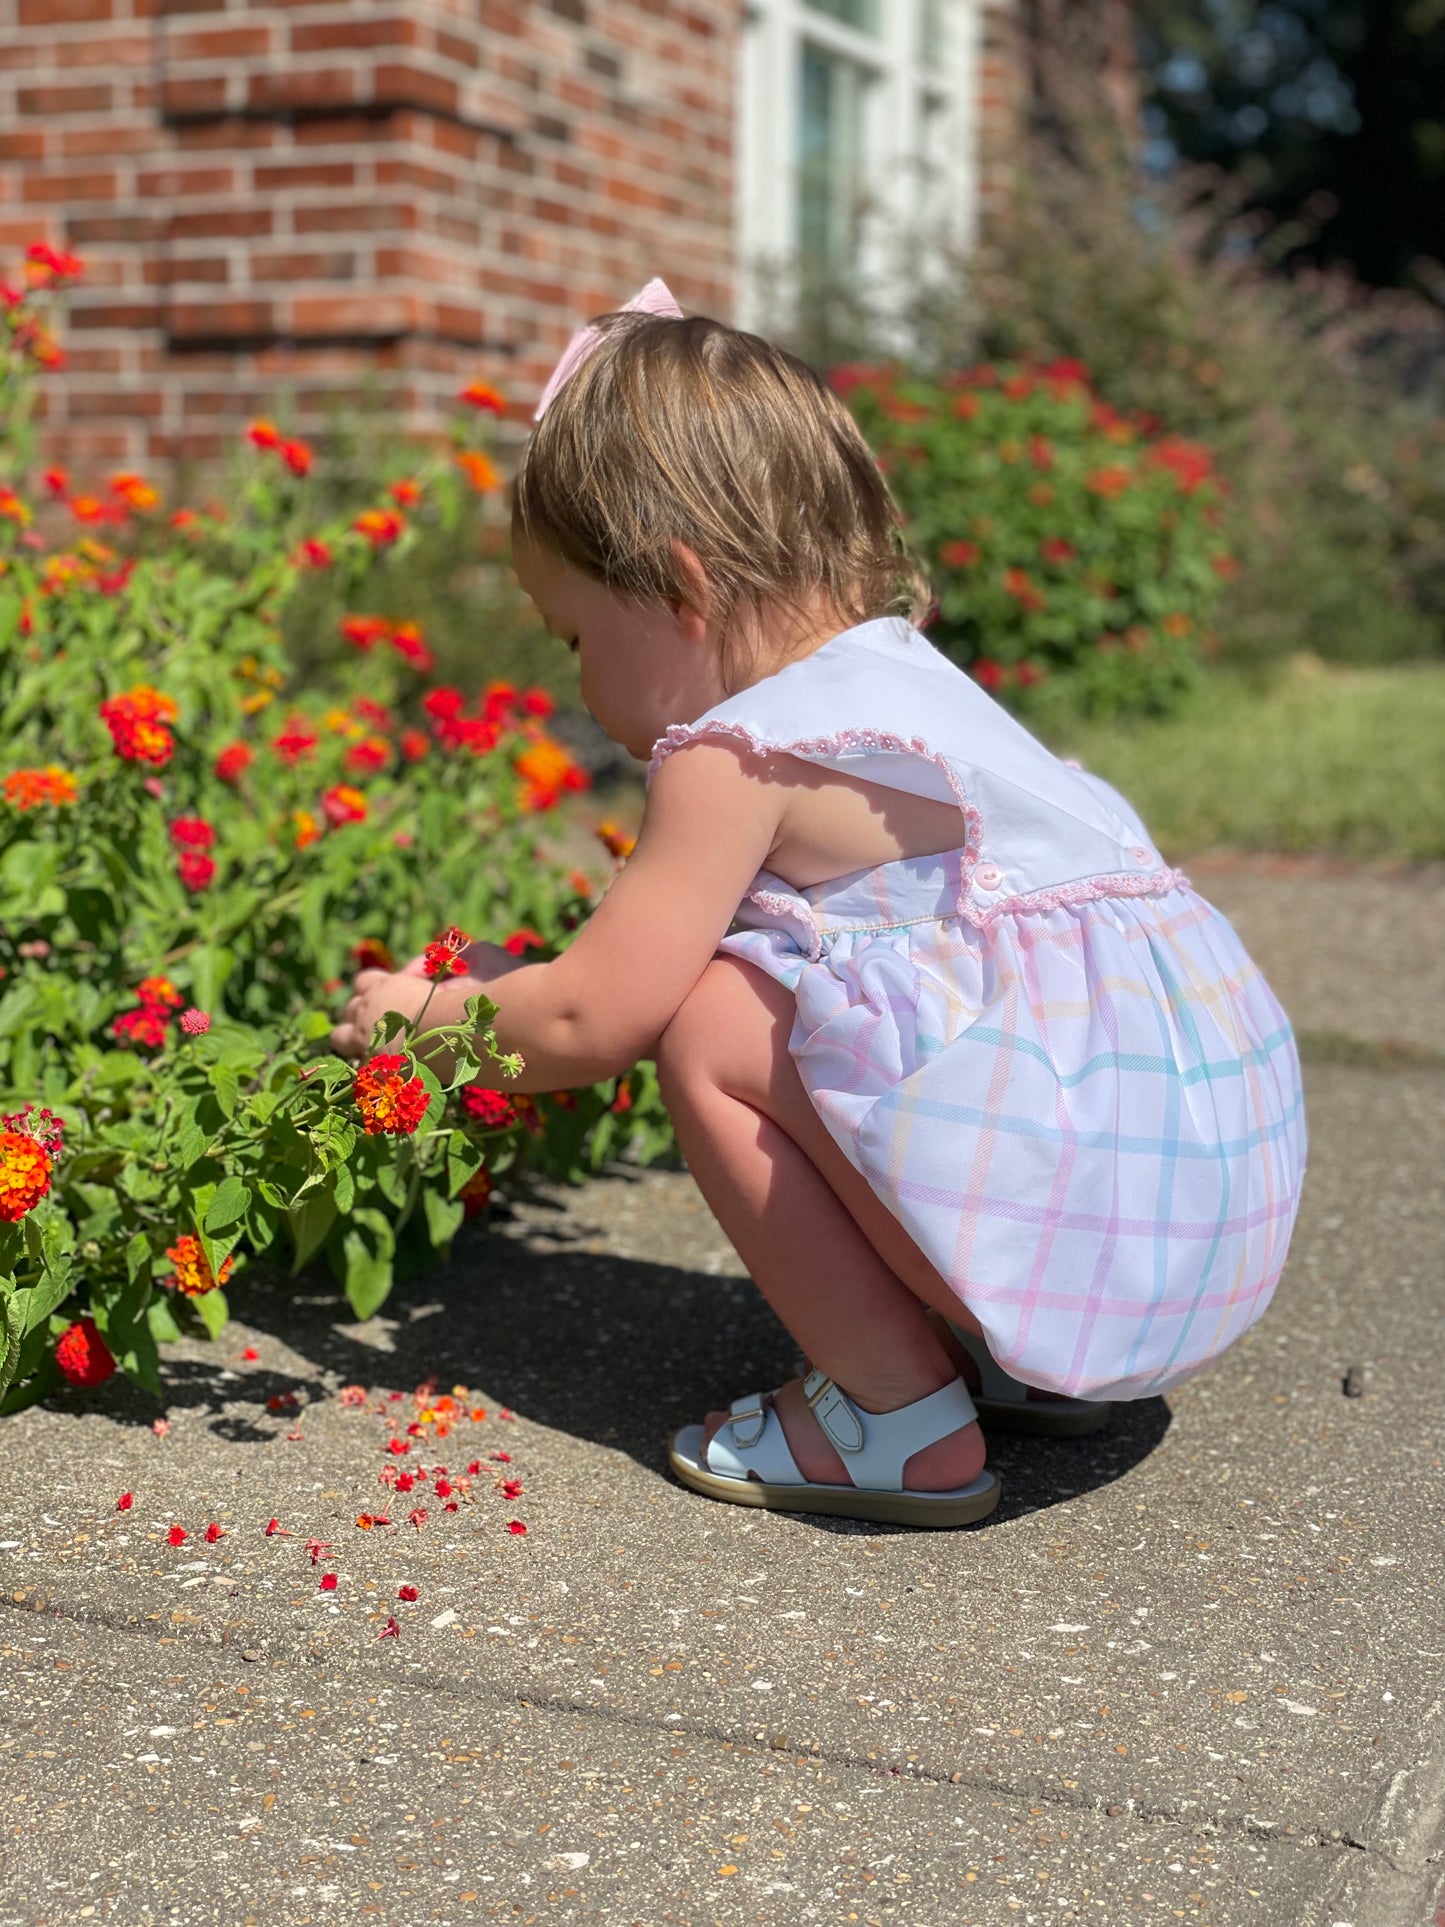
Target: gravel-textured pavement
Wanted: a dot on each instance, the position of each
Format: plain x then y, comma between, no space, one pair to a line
1189,1670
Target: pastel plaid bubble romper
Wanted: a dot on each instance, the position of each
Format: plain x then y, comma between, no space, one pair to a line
1050,1058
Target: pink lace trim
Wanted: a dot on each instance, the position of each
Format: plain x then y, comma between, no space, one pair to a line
1087,890
778,905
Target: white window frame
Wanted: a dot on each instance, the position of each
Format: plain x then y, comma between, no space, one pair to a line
774,35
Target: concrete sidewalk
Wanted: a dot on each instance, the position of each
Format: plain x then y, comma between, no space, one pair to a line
1189,1670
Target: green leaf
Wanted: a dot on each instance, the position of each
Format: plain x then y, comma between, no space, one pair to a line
271,1193
227,1087
463,1159
345,1187
164,1329
368,1271
443,1215
391,1183
210,967
229,1205
213,1310
137,1256
310,1221
36,1302
12,1333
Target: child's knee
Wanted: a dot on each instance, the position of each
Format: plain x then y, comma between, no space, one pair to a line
725,1020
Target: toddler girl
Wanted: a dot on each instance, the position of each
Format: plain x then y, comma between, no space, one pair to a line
982,1092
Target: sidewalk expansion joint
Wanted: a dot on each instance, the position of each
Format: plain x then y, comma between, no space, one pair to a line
737,1740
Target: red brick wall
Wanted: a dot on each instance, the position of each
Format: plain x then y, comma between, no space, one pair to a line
276,202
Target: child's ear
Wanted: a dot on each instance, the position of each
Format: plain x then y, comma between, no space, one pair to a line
690,610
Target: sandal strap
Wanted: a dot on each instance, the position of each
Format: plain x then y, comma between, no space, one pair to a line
757,1443
877,1445
994,1383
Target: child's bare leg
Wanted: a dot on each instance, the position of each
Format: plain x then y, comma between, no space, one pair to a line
834,1263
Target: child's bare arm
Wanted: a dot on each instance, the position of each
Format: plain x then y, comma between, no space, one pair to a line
591,1013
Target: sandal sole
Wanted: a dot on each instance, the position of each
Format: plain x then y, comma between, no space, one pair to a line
1042,1417
962,1507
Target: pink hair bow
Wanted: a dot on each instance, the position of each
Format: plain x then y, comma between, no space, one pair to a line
655,298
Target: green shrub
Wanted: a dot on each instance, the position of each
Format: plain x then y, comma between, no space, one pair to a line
1302,385
1070,546
192,844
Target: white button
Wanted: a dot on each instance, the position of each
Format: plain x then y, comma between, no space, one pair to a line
1146,859
988,876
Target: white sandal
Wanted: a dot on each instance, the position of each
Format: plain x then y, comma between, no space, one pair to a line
1004,1404
875,1447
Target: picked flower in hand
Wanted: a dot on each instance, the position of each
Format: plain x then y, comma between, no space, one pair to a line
443,958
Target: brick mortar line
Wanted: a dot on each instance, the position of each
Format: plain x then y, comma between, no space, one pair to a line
746,1741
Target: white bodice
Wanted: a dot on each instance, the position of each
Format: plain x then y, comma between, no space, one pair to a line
879,702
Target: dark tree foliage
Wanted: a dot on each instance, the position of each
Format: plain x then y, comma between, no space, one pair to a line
1332,110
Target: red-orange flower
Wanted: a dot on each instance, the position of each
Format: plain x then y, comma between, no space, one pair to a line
405,494
233,762
481,394
1190,464
1055,548
406,640
315,553
28,789
1025,591
415,743
159,992
137,724
547,770
193,833
263,434
307,828
343,804
364,632
480,470
443,957
297,456
493,1110
380,526
959,555
369,755
372,954
25,1170
524,939
193,1274
196,870
83,1355
389,1102
1109,481
296,740
615,841
135,1027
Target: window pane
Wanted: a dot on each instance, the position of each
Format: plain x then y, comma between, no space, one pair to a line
930,34
830,139
862,14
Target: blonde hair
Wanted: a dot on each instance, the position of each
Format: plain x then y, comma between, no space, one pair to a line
687,430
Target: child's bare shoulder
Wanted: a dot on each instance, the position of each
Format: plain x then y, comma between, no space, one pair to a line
721,782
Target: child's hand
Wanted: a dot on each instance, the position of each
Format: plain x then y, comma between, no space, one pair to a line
373,994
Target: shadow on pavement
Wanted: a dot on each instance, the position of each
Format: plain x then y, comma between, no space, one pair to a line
620,1351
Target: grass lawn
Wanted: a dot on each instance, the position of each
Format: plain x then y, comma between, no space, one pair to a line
1349,761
